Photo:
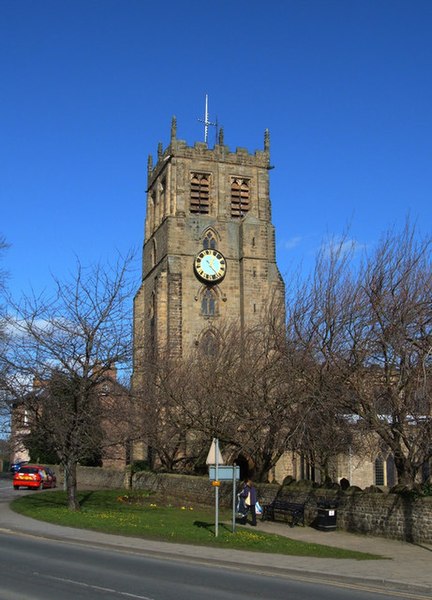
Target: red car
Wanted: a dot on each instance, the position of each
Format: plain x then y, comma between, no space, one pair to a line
34,477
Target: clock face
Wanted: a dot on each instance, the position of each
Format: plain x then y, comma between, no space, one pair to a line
210,265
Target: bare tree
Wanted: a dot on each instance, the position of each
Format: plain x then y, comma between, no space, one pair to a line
391,352
185,404
165,412
235,390
361,340
320,311
264,402
66,346
354,366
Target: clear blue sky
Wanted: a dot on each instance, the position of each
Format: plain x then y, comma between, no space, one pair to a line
88,89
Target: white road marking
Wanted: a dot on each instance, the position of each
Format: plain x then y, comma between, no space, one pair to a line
93,587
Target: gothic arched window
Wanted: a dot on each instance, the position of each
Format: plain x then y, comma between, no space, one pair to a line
209,344
239,197
209,240
208,303
152,322
379,471
152,210
200,193
153,253
162,207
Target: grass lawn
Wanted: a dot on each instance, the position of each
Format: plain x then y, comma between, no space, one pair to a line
140,514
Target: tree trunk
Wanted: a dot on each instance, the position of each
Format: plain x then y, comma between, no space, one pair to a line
262,468
71,486
405,470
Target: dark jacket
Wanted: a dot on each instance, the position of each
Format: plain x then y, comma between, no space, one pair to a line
250,490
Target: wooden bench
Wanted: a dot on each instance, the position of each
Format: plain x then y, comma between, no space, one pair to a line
295,510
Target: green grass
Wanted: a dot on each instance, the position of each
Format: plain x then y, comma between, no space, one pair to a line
142,515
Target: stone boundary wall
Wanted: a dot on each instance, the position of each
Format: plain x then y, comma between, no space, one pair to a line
388,515
93,477
185,487
380,514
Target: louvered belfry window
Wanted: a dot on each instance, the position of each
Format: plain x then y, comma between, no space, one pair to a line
200,192
239,197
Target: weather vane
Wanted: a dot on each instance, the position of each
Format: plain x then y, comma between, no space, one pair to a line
206,121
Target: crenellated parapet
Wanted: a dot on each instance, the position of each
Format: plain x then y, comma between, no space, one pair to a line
200,151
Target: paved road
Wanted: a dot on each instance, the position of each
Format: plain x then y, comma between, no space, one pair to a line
407,572
41,569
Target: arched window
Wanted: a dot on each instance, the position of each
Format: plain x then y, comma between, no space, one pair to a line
162,207
208,303
385,470
152,322
152,210
209,344
379,471
239,197
200,193
153,253
209,241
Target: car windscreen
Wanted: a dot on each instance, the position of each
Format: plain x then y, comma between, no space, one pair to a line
28,470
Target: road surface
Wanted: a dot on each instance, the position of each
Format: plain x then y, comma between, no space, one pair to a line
39,568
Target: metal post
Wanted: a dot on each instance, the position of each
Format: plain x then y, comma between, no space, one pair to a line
217,488
206,121
234,499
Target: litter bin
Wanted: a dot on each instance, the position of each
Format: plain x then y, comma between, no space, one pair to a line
327,516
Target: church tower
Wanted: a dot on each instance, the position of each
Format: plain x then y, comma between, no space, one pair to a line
209,247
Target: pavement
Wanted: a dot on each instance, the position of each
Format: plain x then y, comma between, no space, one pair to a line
405,569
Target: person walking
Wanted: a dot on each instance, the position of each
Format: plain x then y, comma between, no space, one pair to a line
250,497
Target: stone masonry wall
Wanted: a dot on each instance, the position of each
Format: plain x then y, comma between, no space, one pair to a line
184,487
373,513
94,477
378,514
387,515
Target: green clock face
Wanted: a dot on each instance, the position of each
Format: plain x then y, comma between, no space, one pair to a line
210,265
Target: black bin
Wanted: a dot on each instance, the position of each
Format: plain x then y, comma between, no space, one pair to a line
327,516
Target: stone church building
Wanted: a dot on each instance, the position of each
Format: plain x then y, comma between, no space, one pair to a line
209,258
209,247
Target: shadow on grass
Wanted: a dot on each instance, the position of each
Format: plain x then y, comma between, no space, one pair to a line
55,500
211,526
85,498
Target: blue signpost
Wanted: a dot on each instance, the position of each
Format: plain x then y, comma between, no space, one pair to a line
225,472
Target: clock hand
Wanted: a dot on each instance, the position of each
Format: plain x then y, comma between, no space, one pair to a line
210,263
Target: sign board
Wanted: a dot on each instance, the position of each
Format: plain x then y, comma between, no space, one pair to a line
211,456
225,473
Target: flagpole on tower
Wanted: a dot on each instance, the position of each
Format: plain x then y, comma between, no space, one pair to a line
206,120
